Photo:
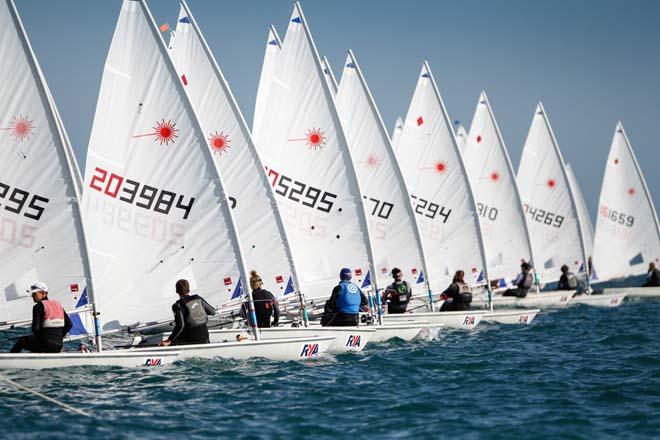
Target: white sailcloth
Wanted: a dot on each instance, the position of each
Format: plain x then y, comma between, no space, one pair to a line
310,168
461,138
439,187
265,245
155,207
493,180
394,231
273,47
41,233
585,218
627,235
329,76
396,132
551,213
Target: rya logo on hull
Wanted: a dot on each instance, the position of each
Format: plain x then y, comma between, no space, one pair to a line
469,320
354,341
309,350
153,362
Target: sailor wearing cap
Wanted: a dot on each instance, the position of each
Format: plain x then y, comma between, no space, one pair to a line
343,307
50,324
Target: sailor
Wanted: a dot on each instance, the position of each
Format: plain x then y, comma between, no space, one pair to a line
458,296
398,293
265,304
346,301
523,282
653,277
50,324
190,318
568,280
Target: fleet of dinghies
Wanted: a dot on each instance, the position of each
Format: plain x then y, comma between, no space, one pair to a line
177,185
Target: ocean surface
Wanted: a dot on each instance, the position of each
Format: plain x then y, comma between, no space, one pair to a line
578,372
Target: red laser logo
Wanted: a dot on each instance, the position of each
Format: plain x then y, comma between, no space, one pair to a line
164,132
20,128
314,138
219,142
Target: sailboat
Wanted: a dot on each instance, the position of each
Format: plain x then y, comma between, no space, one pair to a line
155,204
43,238
627,234
461,138
394,230
442,199
503,227
396,132
585,219
306,156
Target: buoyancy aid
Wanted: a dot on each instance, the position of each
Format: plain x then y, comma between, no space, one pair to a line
465,293
571,281
196,315
53,314
349,298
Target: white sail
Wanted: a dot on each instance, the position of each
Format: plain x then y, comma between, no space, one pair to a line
265,245
41,233
461,138
394,231
499,207
396,132
329,76
310,168
585,218
627,235
547,199
273,47
439,187
155,206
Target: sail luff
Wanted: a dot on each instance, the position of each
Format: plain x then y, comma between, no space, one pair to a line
250,142
352,173
331,75
392,158
471,199
519,203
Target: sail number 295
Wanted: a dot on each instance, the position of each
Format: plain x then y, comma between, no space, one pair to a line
141,195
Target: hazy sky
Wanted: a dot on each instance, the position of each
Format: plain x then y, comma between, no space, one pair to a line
591,62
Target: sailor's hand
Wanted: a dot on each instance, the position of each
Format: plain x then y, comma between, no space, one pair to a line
165,343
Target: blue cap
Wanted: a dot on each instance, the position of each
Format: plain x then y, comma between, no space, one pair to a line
345,274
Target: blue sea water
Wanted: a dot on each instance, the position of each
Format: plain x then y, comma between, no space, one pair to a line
579,372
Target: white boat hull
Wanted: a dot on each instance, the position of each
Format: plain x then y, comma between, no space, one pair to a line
405,331
113,358
274,349
524,317
541,300
463,319
604,300
344,338
635,292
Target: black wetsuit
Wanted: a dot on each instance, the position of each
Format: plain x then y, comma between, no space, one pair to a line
460,300
43,339
567,281
331,315
654,279
184,333
265,307
399,294
523,284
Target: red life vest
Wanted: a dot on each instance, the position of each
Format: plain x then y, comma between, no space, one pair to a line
53,314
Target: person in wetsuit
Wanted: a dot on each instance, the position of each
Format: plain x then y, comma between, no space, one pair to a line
265,304
523,282
653,279
50,324
398,293
458,295
346,301
190,318
568,280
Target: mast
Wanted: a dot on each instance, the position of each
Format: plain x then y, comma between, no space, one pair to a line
209,157
340,133
73,175
471,200
397,168
574,206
